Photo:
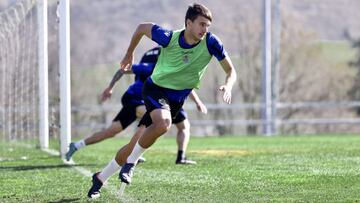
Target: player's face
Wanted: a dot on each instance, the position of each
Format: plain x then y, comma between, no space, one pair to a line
199,27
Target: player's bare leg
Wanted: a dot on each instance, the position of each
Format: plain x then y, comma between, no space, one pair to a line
161,123
125,151
114,166
109,132
182,139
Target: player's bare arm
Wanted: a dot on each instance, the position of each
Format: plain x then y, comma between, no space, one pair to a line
199,104
229,69
141,30
108,91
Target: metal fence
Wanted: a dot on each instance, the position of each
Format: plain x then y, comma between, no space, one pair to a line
90,118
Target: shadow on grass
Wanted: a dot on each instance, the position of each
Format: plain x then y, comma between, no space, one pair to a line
67,200
39,167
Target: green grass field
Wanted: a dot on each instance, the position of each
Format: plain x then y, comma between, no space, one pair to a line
230,169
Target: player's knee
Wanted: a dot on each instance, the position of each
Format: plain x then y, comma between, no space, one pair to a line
163,126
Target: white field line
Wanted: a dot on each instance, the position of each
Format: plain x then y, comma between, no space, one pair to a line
118,193
71,163
112,189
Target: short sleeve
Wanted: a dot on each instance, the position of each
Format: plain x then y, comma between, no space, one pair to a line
161,35
216,47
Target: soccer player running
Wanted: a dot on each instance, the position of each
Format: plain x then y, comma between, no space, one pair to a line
181,64
133,107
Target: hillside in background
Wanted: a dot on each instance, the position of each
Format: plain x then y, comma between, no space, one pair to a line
100,30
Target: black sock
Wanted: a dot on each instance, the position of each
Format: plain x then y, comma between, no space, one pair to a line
180,155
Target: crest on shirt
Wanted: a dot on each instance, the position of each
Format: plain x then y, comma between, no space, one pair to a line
186,58
186,55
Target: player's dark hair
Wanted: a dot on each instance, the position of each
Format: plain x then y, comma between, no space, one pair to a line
196,10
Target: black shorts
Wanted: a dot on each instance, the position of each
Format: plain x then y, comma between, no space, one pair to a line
127,114
180,117
155,97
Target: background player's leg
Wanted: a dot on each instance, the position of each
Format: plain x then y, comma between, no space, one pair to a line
109,132
182,139
183,134
122,120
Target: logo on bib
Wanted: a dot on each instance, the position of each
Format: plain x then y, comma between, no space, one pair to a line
186,59
162,102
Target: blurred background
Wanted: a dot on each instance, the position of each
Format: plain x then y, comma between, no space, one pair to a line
316,45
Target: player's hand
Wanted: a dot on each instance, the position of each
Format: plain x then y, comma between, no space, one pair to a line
107,93
226,93
127,62
202,108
